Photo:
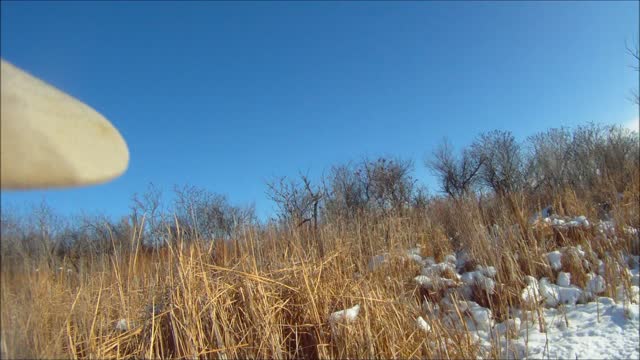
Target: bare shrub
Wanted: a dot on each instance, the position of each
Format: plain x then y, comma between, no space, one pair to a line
457,175
502,167
383,186
206,215
347,193
548,160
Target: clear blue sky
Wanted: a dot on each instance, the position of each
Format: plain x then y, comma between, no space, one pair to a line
228,95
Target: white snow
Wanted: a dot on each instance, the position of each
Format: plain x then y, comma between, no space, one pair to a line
542,215
122,325
630,230
625,295
601,267
431,283
450,259
511,325
377,261
489,271
564,279
560,222
481,316
439,269
595,284
611,334
555,260
531,293
481,278
579,221
417,258
579,324
428,261
422,324
552,294
346,315
606,227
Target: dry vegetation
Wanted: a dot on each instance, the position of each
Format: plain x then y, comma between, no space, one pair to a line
267,290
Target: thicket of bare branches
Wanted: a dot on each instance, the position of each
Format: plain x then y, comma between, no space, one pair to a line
548,160
383,186
544,165
202,214
581,158
502,162
458,175
297,201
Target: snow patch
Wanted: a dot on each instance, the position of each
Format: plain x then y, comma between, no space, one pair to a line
422,324
378,261
564,279
347,315
555,260
122,325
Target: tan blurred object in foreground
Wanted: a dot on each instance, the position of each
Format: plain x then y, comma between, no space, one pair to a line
50,139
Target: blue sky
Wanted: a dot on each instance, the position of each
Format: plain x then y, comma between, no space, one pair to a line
226,96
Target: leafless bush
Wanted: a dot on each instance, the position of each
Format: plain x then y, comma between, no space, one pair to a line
297,201
549,159
147,213
390,183
421,198
457,175
600,154
618,154
384,185
206,215
347,192
502,160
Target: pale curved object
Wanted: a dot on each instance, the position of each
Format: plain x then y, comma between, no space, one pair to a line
50,139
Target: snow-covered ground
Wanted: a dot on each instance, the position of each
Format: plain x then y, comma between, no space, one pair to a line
596,330
579,323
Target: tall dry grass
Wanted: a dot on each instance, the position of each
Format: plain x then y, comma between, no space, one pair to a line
269,292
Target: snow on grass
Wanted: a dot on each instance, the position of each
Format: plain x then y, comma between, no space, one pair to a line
511,326
345,316
417,258
122,325
475,317
481,316
555,260
579,221
544,214
595,331
436,276
439,269
625,295
414,254
482,278
342,318
422,324
564,279
556,221
595,283
432,283
531,293
576,324
378,260
554,295
451,259
630,230
591,331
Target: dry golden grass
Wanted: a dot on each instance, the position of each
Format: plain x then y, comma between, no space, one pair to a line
269,293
